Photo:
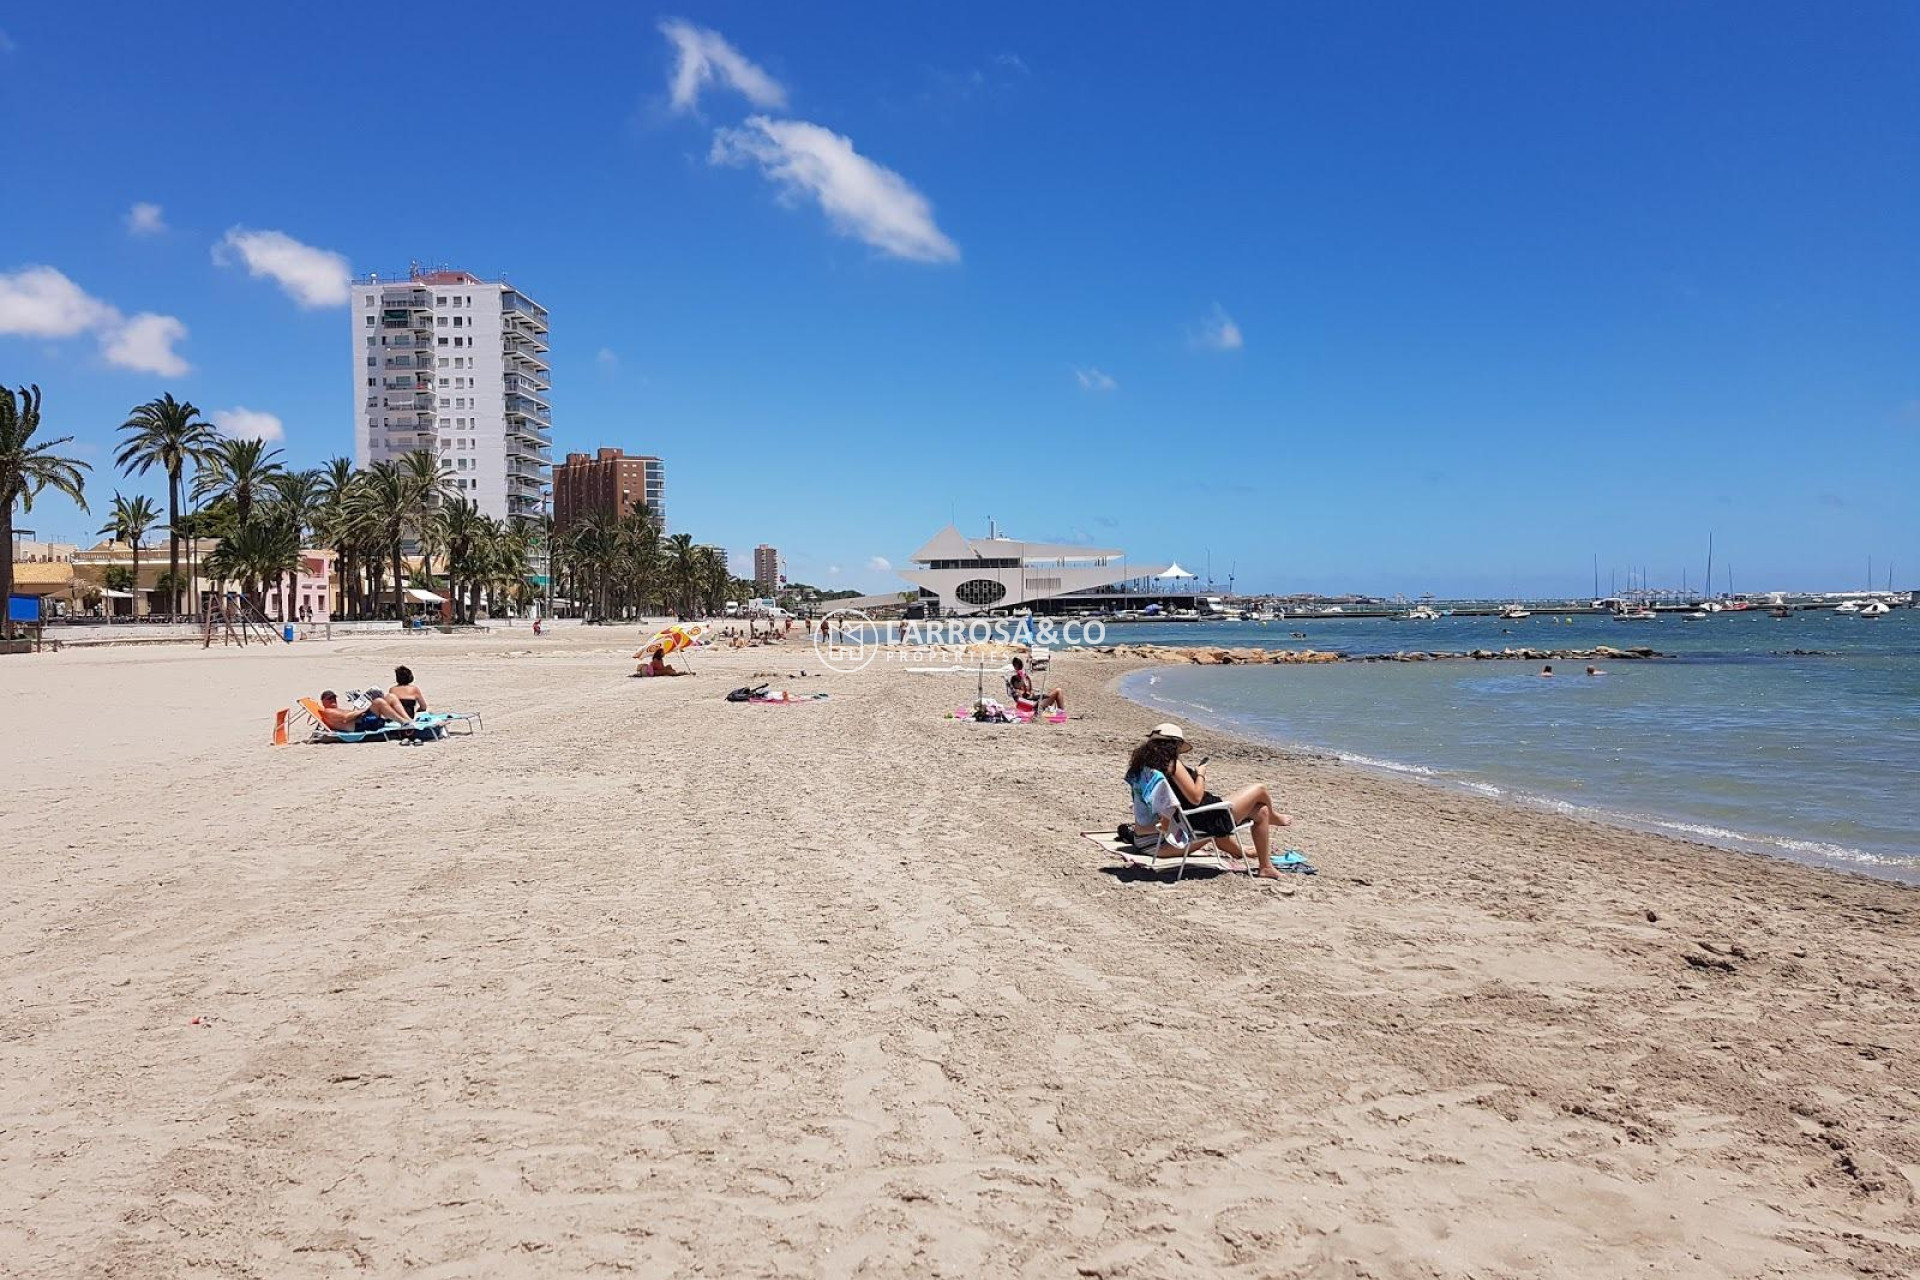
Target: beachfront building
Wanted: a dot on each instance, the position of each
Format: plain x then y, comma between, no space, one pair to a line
451,363
767,577
610,481
959,575
102,579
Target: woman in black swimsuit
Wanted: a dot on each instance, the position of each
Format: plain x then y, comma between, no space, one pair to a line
406,692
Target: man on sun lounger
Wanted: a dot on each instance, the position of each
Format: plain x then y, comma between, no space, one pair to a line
346,720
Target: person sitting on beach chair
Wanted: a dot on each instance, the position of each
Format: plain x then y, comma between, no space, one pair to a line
1209,816
406,694
372,717
1020,685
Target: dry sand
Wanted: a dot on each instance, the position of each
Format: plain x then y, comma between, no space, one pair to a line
639,981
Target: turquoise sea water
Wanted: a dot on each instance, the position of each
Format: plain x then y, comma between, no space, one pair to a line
1735,740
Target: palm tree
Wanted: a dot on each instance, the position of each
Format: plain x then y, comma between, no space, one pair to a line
335,523
299,497
466,539
240,472
131,519
25,469
265,550
380,505
167,432
683,572
638,539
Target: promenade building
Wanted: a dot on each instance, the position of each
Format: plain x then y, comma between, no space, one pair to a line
610,481
456,365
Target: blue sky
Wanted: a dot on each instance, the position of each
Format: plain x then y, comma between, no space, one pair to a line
1382,297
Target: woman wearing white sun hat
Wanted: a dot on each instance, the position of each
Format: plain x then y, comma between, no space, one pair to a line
1161,753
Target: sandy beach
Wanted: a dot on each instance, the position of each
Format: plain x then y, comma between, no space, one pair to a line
637,981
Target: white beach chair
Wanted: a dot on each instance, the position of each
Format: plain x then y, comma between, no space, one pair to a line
1039,658
1164,837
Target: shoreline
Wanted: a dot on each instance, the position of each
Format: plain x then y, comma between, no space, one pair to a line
1668,827
640,979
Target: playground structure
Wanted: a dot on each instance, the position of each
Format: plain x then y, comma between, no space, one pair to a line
236,621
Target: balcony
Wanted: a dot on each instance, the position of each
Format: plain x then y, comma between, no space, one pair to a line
525,384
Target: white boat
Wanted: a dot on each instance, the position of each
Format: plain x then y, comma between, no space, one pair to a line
1696,615
1513,612
1635,615
1875,609
1419,613
1847,606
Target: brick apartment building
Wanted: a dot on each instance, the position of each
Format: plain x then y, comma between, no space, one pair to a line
608,480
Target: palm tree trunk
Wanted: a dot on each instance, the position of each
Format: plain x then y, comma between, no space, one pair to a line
173,536
6,573
399,587
136,582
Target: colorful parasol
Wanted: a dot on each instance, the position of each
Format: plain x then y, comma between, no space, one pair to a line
681,635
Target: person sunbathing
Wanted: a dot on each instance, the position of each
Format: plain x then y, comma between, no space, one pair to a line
1161,753
406,693
346,720
1020,685
656,664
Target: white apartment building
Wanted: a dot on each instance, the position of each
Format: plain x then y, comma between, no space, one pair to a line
446,361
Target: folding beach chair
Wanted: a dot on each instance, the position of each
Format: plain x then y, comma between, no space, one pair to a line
1179,846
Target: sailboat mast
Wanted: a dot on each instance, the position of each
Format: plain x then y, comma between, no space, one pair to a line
1709,564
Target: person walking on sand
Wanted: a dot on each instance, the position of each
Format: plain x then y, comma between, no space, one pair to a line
1161,752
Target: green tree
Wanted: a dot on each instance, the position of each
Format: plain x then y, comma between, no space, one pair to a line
241,473
26,469
683,573
263,550
130,522
167,433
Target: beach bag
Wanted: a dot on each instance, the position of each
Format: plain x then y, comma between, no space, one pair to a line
746,692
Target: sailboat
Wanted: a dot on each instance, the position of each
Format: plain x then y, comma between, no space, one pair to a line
1514,612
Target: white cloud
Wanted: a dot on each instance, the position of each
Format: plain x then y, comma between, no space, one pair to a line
1013,61
1094,380
1219,332
40,302
145,219
311,277
242,423
862,199
606,359
704,57
146,343
833,571
880,564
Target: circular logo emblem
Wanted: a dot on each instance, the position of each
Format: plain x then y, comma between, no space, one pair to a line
846,640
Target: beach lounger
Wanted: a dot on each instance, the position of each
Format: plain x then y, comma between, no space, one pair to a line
426,725
1163,860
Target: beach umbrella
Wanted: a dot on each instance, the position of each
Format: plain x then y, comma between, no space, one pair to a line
681,635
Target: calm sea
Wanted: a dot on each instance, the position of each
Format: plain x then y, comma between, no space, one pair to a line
1736,740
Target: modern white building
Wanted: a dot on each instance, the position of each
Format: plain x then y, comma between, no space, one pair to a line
969,575
446,361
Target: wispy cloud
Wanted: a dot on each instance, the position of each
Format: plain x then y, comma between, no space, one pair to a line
1219,332
242,423
41,302
145,219
862,199
6,43
880,564
311,277
1092,379
607,360
1011,61
702,57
